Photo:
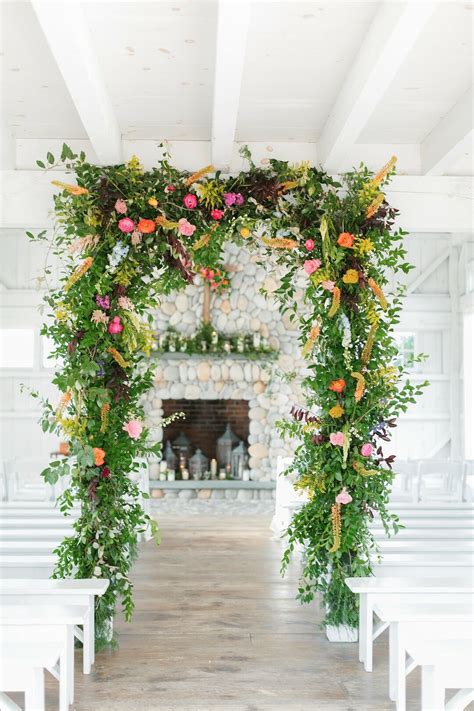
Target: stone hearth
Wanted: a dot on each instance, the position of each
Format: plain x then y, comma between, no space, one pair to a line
231,378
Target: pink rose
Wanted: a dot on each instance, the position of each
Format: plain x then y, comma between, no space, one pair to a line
366,449
311,265
239,199
126,225
115,326
190,201
121,207
133,428
185,228
170,189
328,285
337,438
309,244
217,214
229,199
343,497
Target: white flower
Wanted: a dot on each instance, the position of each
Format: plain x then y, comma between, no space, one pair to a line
95,545
97,571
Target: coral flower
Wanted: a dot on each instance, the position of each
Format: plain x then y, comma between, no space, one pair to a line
217,214
343,497
309,244
146,226
133,428
337,438
345,239
121,207
351,277
337,386
366,449
336,411
311,266
190,201
126,225
186,228
99,456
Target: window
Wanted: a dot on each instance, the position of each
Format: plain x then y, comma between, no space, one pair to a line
17,347
406,349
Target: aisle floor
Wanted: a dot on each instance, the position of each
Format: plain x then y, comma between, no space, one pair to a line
217,629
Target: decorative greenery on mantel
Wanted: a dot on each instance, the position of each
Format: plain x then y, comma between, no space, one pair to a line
208,341
129,236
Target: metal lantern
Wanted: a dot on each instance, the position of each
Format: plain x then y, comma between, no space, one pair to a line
225,444
239,460
198,464
182,446
170,457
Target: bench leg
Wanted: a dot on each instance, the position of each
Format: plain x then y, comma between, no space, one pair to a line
88,645
70,665
366,623
432,692
34,692
397,690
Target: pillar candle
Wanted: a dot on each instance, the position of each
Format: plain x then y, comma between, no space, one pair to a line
213,467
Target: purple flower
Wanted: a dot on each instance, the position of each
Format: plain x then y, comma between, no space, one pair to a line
239,199
229,199
103,301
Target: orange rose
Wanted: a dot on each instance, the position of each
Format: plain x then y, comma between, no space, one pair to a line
345,239
99,456
146,227
337,386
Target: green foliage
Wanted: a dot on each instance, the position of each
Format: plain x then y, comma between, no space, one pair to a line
208,340
121,275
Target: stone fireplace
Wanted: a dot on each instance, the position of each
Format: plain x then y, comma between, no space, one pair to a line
183,380
205,421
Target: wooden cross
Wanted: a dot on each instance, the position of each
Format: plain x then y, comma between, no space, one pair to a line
206,304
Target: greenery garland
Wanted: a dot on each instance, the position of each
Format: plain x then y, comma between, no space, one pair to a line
207,341
131,236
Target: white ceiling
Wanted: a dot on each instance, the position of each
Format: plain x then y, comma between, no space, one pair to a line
158,60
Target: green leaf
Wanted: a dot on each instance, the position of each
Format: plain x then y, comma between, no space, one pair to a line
40,164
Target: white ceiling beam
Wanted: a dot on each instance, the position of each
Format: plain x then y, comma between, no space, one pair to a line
66,31
232,27
450,138
391,36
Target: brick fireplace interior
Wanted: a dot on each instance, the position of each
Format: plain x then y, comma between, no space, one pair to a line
205,421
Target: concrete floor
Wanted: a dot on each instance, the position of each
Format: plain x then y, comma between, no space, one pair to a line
217,629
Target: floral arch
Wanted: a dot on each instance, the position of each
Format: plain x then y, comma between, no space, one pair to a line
131,235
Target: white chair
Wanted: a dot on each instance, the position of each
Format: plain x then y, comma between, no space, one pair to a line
287,498
404,483
24,482
440,480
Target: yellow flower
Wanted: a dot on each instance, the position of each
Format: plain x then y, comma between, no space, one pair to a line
363,246
360,388
336,411
336,301
245,232
351,277
336,527
378,293
79,272
280,243
375,206
384,172
153,202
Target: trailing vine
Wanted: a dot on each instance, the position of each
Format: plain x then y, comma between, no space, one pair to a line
130,236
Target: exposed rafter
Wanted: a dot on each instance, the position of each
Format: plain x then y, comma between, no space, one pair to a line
232,28
391,36
452,136
67,34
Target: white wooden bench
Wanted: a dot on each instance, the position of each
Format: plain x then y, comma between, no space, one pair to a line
445,664
60,592
22,668
30,547
26,566
402,618
15,618
373,589
38,534
407,547
16,522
